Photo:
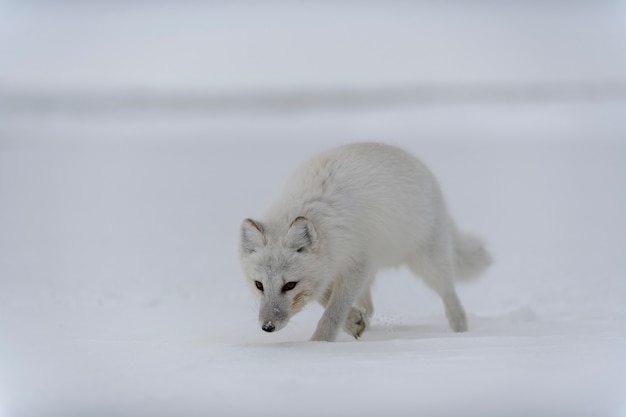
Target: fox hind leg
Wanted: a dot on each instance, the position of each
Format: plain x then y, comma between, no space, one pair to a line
437,271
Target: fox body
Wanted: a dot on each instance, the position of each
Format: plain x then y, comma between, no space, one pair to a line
342,216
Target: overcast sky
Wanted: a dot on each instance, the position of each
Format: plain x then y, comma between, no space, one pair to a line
242,46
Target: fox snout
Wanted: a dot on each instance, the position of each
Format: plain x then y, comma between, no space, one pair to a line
268,327
272,319
273,325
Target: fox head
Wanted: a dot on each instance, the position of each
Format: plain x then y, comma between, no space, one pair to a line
282,267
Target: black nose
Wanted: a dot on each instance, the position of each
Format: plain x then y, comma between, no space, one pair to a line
268,327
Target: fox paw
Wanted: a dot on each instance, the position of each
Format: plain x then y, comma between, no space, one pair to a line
356,323
457,319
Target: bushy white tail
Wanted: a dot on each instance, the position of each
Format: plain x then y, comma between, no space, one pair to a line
470,256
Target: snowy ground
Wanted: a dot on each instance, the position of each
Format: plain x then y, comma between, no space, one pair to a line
121,294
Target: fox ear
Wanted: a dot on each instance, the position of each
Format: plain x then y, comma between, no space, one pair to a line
301,235
252,236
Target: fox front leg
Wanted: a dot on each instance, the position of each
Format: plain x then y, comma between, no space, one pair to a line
339,306
358,316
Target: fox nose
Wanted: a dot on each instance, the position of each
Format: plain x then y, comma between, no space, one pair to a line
268,327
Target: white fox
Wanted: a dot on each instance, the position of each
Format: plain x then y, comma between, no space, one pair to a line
344,215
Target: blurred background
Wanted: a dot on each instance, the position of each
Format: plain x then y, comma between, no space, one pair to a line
214,55
136,135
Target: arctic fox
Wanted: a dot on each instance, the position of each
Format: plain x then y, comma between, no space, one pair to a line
344,215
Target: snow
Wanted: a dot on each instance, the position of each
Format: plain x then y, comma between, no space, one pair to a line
120,288
121,292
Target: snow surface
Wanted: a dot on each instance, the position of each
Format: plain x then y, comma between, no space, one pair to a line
121,293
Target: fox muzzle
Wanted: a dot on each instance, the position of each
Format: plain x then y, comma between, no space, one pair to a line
268,327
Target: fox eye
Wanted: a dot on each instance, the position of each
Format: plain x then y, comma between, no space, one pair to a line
289,286
259,285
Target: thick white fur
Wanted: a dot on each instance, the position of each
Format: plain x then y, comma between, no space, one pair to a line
344,215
